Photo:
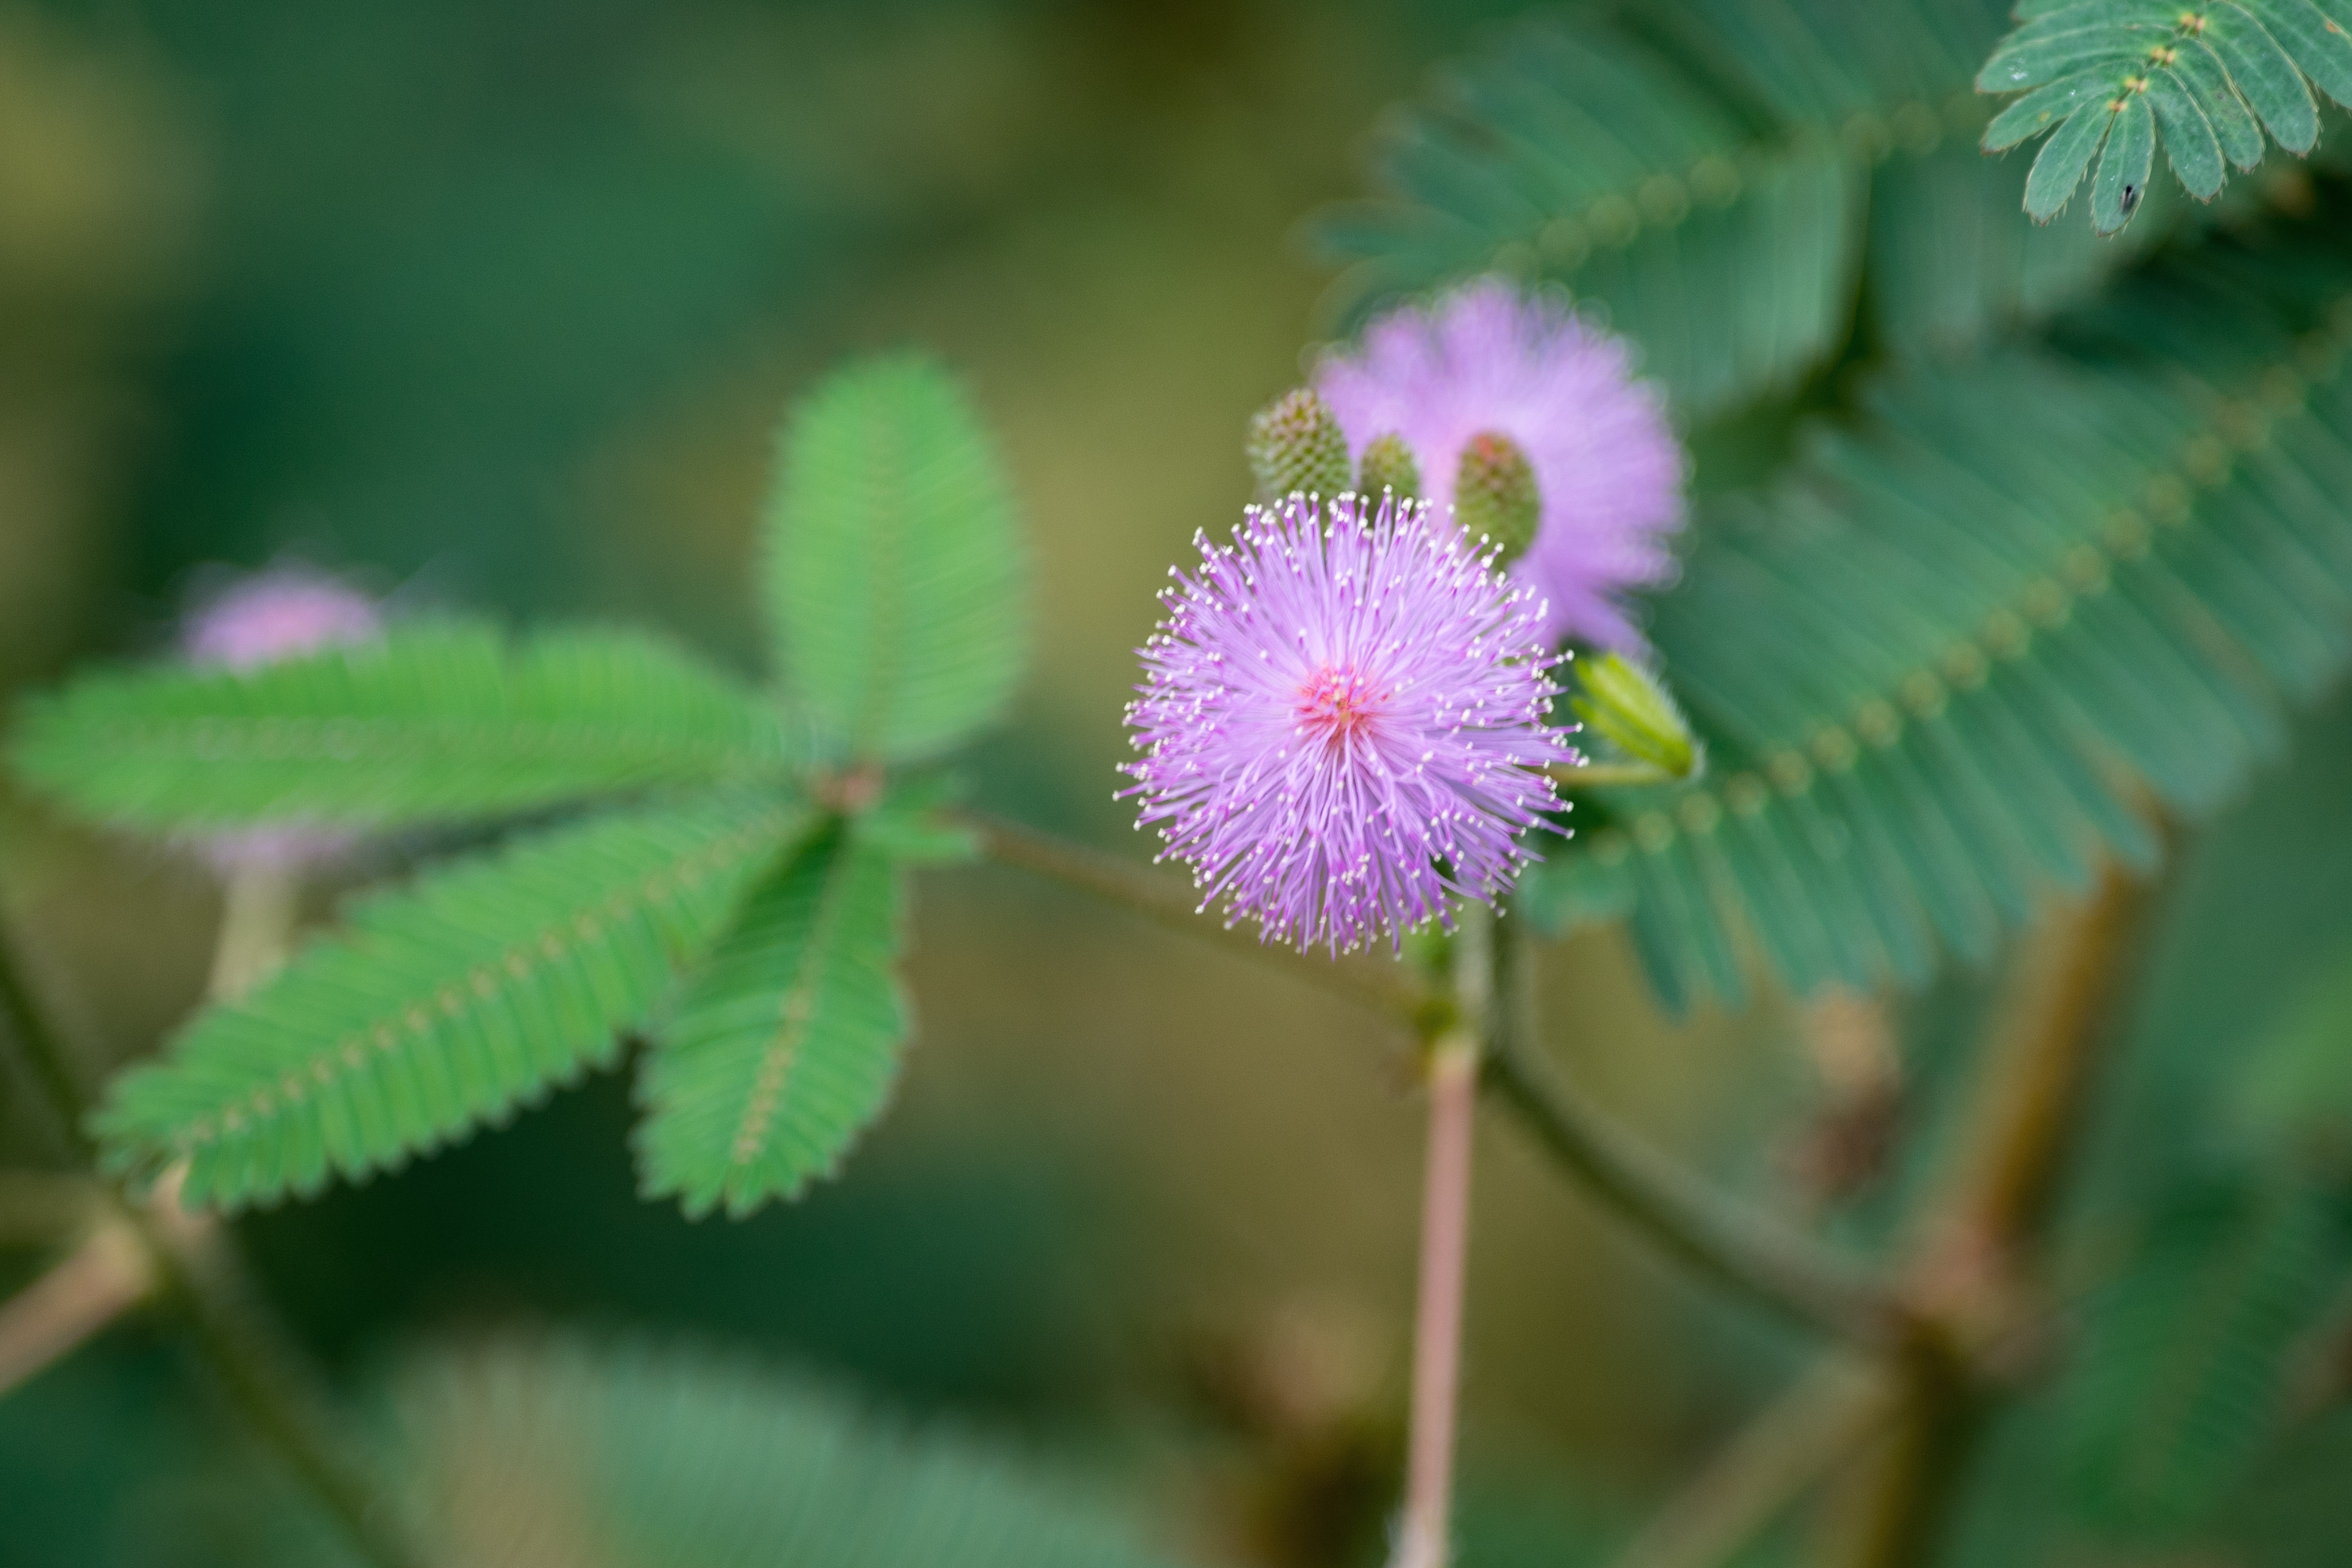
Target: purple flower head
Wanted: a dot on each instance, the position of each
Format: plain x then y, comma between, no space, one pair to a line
1342,720
274,615
1609,469
259,620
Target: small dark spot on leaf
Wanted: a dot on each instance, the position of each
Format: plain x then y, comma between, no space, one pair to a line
2131,198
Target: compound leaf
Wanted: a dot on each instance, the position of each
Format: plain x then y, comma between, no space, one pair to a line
435,722
896,574
785,1047
441,1009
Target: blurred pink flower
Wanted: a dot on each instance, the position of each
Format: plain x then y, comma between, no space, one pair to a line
1609,469
276,614
262,619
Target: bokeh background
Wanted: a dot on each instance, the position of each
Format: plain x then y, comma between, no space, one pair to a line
496,305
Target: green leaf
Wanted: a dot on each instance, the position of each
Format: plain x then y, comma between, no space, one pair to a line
910,823
2059,167
2182,1358
2265,74
2188,138
645,1457
2217,57
1722,176
2125,166
896,570
440,1009
2320,45
1562,891
2046,106
2294,1092
2199,70
434,722
786,1046
1934,660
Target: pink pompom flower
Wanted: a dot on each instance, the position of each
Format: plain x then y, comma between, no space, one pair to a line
1343,721
1609,471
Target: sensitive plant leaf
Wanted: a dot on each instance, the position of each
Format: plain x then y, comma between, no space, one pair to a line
2232,64
435,721
1933,663
2294,1094
1631,164
2182,1360
2199,70
912,823
896,572
786,1046
645,1457
2264,73
2046,106
2123,166
2321,45
2060,165
2188,139
439,1009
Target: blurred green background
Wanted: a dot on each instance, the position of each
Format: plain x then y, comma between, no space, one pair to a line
496,305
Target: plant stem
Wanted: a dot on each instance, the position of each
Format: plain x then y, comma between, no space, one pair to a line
1981,1247
1835,1407
1161,899
106,1276
204,1283
1778,1267
1424,1538
258,904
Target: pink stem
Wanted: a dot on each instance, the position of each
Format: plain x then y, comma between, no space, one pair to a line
1422,1541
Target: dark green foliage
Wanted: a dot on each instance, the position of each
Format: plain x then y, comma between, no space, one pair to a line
1928,660
2293,1094
1721,174
441,1009
2201,75
437,721
2182,1360
896,578
642,1458
785,1046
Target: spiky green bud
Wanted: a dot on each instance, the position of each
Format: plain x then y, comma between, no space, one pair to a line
1388,465
1627,704
1495,494
1295,444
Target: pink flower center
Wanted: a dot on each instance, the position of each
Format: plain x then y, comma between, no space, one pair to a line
1338,703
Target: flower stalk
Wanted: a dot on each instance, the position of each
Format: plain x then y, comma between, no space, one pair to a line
1424,1534
192,1270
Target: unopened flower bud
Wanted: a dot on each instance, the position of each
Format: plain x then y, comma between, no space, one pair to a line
1388,465
1495,494
1296,445
1627,704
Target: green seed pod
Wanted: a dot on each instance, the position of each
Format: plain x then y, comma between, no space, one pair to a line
1495,494
1626,703
1388,465
1295,444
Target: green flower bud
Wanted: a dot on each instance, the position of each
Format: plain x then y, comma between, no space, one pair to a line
1495,494
1389,466
1626,703
1295,444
